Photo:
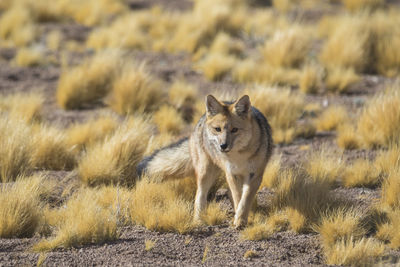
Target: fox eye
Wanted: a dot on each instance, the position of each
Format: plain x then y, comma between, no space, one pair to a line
218,129
234,130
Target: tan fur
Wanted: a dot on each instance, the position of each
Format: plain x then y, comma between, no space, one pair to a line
231,137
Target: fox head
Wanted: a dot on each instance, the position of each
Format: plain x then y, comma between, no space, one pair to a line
229,125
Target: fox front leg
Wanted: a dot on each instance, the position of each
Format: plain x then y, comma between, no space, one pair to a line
249,190
205,180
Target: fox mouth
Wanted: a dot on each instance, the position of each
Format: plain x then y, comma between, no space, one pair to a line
225,150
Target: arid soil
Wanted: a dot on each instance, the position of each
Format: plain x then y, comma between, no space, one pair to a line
216,245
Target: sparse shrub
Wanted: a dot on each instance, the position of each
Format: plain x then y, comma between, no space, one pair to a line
165,207
331,118
15,149
214,214
50,149
378,123
168,120
287,48
114,160
135,90
27,106
324,165
338,225
360,173
20,213
216,65
88,82
29,57
80,136
82,221
310,79
339,80
354,252
271,173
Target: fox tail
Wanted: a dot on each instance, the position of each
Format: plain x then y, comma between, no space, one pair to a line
170,162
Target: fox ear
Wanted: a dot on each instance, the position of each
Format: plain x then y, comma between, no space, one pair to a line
242,106
213,106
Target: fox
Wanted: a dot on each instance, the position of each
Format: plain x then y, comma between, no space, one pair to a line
233,137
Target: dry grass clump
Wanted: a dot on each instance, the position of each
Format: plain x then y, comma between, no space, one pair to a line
391,189
362,252
216,65
87,83
50,149
168,120
356,5
214,214
388,231
53,40
27,106
347,46
158,141
360,173
281,106
377,125
287,48
83,220
310,79
149,245
224,44
339,80
114,160
165,207
347,136
82,135
271,173
388,160
17,26
324,165
250,254
309,198
29,57
332,118
182,94
340,224
20,213
15,148
135,90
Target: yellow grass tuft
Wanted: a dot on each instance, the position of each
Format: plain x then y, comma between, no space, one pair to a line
271,173
281,106
20,213
361,252
388,160
114,160
287,48
250,254
360,173
356,5
51,149
310,79
149,245
135,90
347,46
216,65
29,57
168,120
340,224
255,232
338,80
375,125
388,231
347,136
324,165
53,40
224,44
182,94
391,189
88,82
297,220
81,221
332,118
27,107
165,207
82,135
15,149
214,214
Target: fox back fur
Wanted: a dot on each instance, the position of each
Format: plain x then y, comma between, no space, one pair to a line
232,137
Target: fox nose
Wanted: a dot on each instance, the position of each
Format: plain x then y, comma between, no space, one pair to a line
224,146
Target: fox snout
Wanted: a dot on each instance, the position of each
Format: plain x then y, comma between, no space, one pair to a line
224,147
